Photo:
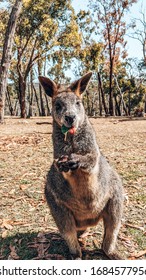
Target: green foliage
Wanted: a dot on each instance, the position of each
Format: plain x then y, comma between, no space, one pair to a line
40,20
90,56
3,22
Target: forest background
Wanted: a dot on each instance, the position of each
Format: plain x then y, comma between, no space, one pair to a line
62,41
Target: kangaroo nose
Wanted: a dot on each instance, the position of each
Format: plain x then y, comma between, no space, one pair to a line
70,119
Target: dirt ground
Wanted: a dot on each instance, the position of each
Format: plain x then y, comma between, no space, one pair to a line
26,227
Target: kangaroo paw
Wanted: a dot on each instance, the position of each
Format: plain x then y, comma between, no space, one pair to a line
64,163
73,162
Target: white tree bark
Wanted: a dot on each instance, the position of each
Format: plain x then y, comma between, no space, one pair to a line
7,52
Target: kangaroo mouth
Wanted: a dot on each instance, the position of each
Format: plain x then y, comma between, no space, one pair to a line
66,129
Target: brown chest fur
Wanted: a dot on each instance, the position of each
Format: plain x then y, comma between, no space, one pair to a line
87,202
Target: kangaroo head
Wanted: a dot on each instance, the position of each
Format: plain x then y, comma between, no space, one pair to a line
67,107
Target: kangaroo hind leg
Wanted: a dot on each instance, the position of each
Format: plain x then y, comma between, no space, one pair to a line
112,221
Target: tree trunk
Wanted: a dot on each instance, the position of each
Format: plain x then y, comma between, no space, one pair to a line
42,102
92,104
29,98
30,93
23,73
48,109
117,109
9,102
145,104
22,90
111,106
46,98
88,103
129,103
15,108
122,99
37,100
100,103
40,91
7,52
102,94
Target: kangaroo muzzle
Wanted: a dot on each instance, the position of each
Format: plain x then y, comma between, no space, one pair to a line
69,120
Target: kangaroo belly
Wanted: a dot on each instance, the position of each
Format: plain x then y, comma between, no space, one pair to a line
87,201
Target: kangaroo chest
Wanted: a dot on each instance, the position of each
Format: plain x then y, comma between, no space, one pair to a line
81,182
84,203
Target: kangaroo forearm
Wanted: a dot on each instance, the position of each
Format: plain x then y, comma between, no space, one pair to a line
87,161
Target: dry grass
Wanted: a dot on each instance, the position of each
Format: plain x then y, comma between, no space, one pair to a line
26,226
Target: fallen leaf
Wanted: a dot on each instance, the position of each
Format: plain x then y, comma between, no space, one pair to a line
12,191
123,238
15,223
134,226
7,225
13,254
4,234
23,187
139,254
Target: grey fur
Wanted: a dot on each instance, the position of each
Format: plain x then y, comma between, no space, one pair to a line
81,186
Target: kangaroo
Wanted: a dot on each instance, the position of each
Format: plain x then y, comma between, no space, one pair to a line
81,187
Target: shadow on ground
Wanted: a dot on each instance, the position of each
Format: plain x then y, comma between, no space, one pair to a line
40,246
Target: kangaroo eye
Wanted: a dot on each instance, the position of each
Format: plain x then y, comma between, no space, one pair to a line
58,107
78,103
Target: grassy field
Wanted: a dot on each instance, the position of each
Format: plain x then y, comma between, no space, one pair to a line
27,230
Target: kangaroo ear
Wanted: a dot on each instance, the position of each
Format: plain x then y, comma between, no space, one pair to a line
80,85
49,86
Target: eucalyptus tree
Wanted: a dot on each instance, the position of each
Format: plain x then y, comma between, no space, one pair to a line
108,16
7,53
38,31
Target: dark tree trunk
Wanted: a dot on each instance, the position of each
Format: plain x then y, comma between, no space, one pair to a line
88,103
30,92
102,94
22,91
9,102
42,102
7,52
30,96
100,102
29,99
129,103
37,100
111,105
